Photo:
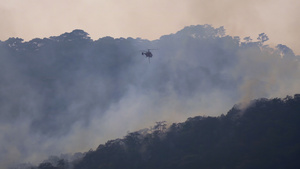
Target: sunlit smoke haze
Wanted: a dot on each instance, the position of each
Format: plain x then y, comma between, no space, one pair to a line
68,93
151,19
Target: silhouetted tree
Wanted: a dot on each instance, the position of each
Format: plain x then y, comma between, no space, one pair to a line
262,38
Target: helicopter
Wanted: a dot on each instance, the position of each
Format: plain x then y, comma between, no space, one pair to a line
147,53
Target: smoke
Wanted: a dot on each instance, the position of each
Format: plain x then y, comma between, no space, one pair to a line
7,26
151,18
267,75
68,93
249,18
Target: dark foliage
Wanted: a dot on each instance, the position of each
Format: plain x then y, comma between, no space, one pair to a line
264,135
59,82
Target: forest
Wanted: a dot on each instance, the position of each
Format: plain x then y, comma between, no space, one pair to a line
264,135
69,93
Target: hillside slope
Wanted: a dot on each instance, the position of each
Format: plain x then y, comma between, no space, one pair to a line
265,135
69,93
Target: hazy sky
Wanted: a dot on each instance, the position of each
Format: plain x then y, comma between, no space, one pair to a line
150,19
110,94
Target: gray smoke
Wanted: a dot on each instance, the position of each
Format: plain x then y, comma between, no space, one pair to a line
68,93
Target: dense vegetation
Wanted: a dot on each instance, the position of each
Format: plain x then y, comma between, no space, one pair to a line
264,135
69,93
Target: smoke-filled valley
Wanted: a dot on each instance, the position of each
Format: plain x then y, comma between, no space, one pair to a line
69,93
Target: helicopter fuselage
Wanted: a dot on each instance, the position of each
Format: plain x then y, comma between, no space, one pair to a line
148,54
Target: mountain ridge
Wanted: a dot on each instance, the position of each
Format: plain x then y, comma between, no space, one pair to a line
57,92
264,135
